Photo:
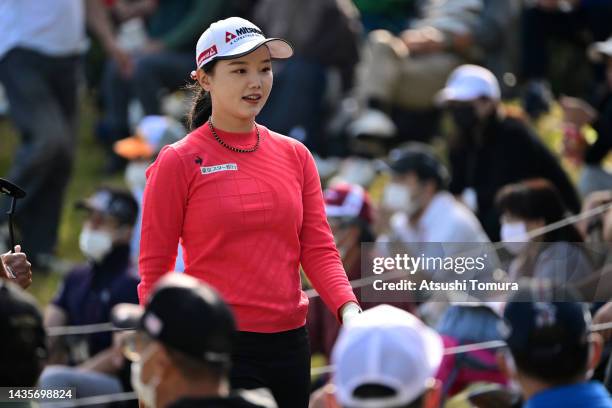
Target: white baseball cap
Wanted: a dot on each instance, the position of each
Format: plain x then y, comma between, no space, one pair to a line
469,82
385,346
235,37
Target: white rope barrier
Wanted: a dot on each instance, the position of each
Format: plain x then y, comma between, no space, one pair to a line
356,283
317,371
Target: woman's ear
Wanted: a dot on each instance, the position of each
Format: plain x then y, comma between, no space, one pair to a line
203,79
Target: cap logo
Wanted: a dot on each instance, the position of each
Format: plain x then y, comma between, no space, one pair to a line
248,30
242,32
207,53
545,314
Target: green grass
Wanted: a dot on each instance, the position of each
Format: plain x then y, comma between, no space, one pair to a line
87,175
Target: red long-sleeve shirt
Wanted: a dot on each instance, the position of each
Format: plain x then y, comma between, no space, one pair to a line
246,221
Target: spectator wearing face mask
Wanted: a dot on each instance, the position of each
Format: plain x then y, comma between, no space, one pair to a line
551,352
491,149
141,149
181,349
424,210
87,295
556,255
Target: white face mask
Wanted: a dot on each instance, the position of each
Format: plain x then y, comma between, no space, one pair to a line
95,244
514,236
145,392
135,176
397,197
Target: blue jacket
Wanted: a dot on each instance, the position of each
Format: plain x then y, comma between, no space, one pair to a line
587,394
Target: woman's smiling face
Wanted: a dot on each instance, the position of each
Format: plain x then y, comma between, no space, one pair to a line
240,87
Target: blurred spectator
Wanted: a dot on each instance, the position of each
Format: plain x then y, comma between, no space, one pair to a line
574,21
385,357
551,352
15,266
181,350
491,149
423,209
350,216
153,133
425,212
400,75
597,229
88,294
556,255
163,63
40,54
578,113
324,34
468,323
24,347
391,15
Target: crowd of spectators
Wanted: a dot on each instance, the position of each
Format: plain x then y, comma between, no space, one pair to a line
426,119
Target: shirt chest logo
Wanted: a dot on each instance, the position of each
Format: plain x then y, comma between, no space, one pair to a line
219,167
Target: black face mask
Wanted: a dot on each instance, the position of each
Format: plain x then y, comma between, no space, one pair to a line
465,118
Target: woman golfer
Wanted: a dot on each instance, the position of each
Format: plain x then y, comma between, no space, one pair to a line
246,204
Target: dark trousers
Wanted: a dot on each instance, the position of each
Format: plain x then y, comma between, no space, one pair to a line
277,361
152,74
42,94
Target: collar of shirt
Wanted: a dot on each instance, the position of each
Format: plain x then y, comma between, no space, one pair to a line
435,212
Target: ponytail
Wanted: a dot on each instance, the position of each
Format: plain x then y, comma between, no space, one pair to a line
201,107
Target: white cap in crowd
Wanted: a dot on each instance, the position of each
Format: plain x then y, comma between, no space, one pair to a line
235,37
598,51
385,346
469,82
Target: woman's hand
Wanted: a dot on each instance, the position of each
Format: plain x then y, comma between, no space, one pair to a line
348,311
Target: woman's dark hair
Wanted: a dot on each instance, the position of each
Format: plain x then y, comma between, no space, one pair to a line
201,107
537,199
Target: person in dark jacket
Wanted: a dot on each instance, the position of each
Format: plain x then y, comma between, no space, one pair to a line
492,149
181,349
597,113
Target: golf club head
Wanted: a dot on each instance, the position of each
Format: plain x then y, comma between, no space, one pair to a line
11,189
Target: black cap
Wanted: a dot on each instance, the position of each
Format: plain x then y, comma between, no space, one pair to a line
21,325
118,203
419,158
544,330
186,315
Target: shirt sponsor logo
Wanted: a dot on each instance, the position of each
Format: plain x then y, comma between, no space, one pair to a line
207,53
219,167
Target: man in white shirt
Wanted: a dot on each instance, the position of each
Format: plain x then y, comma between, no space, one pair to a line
424,211
41,46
